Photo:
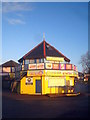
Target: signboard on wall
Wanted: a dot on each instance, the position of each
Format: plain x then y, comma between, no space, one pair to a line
36,66
40,66
48,65
61,73
61,59
55,66
74,67
29,80
32,66
35,73
62,66
68,66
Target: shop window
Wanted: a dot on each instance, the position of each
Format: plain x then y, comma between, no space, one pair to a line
56,81
6,69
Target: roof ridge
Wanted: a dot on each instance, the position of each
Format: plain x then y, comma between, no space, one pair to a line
44,48
10,63
41,51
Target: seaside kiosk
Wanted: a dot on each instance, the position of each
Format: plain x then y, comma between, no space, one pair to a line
48,71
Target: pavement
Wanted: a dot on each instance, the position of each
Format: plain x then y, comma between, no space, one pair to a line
63,95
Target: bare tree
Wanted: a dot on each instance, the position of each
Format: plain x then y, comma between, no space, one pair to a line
85,62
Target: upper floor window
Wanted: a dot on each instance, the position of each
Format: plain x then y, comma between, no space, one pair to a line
42,60
27,62
32,61
37,60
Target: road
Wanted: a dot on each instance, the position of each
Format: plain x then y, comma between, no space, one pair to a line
27,106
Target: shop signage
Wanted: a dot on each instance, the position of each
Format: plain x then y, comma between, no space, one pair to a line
68,66
48,65
61,59
60,73
55,66
32,66
29,80
74,67
47,61
40,66
35,73
62,66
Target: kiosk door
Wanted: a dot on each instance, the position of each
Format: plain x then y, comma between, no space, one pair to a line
38,86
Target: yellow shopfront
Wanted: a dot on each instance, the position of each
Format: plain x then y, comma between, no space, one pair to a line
47,82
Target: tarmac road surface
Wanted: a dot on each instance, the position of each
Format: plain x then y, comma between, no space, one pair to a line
26,106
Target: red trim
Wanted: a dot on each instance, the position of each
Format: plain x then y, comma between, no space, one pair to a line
59,53
44,49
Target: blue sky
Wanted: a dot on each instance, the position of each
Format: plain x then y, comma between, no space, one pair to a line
65,26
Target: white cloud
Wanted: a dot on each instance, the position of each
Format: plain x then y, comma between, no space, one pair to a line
15,21
15,6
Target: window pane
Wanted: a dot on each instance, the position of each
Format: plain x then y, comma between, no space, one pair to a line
32,61
26,61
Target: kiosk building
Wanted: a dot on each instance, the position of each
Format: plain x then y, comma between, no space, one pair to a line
48,71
